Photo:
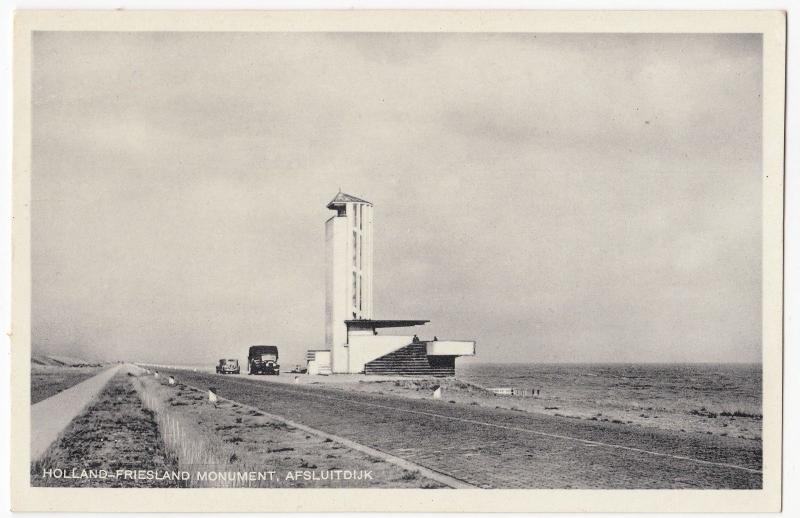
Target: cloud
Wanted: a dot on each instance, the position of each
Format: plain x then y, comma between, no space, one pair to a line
553,196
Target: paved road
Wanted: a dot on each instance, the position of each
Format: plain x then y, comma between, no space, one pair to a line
51,416
497,448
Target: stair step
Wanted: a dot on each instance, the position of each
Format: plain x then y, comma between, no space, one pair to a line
411,360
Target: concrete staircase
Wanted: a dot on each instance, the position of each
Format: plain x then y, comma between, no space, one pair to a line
412,360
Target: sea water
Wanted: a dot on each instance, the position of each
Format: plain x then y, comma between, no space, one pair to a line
678,388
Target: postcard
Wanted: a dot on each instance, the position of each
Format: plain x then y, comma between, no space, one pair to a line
397,261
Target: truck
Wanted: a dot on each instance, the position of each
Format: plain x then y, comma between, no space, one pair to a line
228,366
263,359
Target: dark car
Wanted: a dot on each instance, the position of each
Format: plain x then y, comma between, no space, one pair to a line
263,359
228,366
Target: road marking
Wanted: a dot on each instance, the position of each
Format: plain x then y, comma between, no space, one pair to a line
529,431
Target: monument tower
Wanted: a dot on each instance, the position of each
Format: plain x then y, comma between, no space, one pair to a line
355,342
348,285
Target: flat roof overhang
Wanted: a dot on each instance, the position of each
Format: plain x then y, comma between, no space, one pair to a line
374,324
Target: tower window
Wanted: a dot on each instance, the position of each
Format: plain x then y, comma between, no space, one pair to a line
355,249
355,289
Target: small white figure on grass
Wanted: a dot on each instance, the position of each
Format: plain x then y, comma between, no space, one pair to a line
437,393
156,374
171,380
212,395
296,380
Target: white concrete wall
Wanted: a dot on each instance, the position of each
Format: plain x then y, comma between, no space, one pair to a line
336,291
321,361
451,348
322,357
366,267
365,348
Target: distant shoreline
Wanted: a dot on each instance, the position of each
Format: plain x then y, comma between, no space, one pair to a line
460,365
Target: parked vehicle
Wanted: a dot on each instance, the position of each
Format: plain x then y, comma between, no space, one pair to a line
263,359
228,366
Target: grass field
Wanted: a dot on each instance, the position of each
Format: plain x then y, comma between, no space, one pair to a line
139,422
53,374
47,382
115,433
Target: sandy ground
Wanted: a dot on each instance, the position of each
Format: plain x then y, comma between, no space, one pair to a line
703,421
699,421
114,433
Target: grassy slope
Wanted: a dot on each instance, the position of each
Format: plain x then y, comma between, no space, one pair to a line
116,432
53,374
49,382
228,436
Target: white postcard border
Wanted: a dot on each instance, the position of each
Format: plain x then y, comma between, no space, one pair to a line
770,23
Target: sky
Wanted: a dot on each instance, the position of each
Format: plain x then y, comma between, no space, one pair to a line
555,197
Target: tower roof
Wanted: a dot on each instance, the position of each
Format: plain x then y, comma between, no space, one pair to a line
342,198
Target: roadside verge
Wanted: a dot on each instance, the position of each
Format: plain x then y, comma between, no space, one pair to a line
51,416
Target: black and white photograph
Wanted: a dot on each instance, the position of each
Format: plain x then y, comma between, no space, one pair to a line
394,259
